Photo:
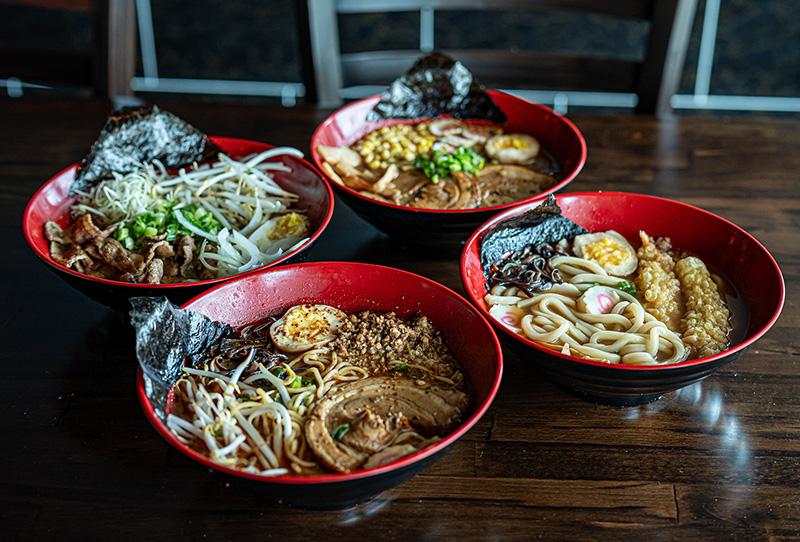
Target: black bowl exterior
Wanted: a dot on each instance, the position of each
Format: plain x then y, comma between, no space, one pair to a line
338,493
315,196
351,287
608,385
443,230
333,495
445,233
116,295
726,246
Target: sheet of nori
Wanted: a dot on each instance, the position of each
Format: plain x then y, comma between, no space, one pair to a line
542,224
166,335
134,135
436,85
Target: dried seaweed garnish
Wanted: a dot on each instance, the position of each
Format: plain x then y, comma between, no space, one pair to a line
135,135
542,224
437,85
166,335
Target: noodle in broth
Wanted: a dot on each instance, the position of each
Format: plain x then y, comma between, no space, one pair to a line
627,334
254,407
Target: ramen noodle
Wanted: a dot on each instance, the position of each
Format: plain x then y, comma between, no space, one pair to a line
318,391
443,163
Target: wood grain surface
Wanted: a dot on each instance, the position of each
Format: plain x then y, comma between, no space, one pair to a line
718,460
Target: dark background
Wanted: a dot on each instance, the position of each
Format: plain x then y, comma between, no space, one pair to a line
756,50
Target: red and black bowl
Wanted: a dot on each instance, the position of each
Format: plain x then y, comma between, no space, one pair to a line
52,202
351,287
447,229
726,249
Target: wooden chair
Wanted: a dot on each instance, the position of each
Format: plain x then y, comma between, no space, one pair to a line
106,70
653,79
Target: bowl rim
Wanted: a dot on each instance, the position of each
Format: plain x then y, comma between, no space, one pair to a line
493,209
221,141
294,479
478,235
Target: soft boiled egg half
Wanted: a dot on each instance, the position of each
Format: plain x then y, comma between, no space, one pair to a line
305,326
512,148
609,249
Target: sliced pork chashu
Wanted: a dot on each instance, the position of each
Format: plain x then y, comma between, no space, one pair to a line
374,411
500,184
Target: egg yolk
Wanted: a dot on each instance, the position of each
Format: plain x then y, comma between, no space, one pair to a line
307,326
605,252
510,142
289,225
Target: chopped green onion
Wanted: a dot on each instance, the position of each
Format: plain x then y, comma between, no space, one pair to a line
439,165
302,381
627,287
340,431
163,220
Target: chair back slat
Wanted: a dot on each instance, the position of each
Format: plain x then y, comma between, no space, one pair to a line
105,68
653,78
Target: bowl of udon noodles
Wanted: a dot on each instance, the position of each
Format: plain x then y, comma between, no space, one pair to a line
431,182
621,298
176,233
341,380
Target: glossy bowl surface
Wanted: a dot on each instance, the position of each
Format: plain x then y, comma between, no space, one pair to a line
352,287
725,248
52,202
448,228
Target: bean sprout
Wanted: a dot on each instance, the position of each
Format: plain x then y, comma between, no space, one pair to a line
252,209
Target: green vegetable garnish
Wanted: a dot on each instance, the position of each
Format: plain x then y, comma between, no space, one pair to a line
439,164
340,431
280,372
302,381
627,287
411,372
622,286
155,223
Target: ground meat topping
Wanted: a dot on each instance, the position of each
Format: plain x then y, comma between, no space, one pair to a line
372,340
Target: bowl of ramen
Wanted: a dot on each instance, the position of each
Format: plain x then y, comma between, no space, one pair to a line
156,231
324,387
432,181
621,298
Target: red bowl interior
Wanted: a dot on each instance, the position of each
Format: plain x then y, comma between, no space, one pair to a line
557,135
352,287
52,202
725,248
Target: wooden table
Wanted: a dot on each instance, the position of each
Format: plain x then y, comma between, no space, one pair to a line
717,460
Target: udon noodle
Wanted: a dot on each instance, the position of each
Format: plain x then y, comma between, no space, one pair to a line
627,334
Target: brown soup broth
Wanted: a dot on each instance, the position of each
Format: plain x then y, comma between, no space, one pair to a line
386,163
